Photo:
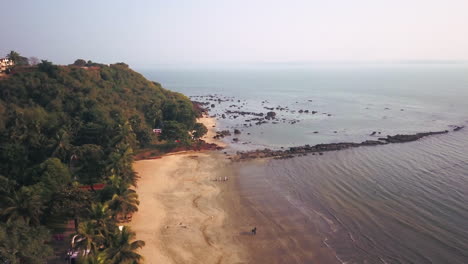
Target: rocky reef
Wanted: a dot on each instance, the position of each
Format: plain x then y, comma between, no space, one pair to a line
320,148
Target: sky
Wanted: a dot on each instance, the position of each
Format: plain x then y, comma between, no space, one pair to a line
147,33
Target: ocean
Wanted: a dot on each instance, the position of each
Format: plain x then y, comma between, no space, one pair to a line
398,203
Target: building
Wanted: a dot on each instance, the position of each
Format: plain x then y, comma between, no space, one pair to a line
5,64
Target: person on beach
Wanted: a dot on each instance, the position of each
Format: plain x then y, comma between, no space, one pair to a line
254,231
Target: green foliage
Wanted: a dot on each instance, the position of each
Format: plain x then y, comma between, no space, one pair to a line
53,175
21,243
48,67
174,130
199,130
80,62
122,247
66,126
23,205
70,202
18,59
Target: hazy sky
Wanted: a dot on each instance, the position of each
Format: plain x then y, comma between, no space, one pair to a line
151,32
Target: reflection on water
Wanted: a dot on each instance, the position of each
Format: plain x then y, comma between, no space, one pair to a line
400,203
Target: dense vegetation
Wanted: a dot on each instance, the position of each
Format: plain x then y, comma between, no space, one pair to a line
67,127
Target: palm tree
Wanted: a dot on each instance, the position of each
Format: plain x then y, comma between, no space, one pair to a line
24,204
124,201
121,249
13,55
120,163
88,239
101,217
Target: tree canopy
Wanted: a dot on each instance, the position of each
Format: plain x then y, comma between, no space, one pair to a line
66,128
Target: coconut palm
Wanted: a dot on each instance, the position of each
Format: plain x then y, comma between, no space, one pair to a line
89,239
120,163
124,200
24,204
101,216
122,248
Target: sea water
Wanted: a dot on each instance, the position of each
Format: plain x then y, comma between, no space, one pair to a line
398,203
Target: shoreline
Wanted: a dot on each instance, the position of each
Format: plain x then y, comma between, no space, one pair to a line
183,212
187,215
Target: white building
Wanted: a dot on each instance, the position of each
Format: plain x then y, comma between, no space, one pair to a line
5,64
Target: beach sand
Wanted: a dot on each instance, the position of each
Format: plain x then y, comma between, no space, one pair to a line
181,217
187,215
182,212
210,124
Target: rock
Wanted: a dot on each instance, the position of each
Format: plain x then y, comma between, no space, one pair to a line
270,115
212,105
301,111
237,131
320,148
373,133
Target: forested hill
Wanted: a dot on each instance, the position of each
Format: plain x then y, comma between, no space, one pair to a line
56,111
62,127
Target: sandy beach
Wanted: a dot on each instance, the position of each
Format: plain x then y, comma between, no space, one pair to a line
182,216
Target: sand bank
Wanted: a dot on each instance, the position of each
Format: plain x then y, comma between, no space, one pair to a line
182,212
210,124
181,216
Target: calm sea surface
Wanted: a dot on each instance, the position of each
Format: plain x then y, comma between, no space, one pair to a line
398,203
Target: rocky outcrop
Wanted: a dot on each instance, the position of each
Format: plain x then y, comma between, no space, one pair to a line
270,115
412,137
320,148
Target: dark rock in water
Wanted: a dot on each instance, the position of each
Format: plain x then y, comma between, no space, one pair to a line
408,138
270,115
223,116
373,133
306,111
301,111
315,132
320,148
329,114
235,139
309,100
314,112
212,105
237,131
222,134
458,128
243,113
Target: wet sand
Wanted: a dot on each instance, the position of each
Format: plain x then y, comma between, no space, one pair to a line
182,214
188,215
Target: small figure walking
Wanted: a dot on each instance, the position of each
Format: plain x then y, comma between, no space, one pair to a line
254,231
